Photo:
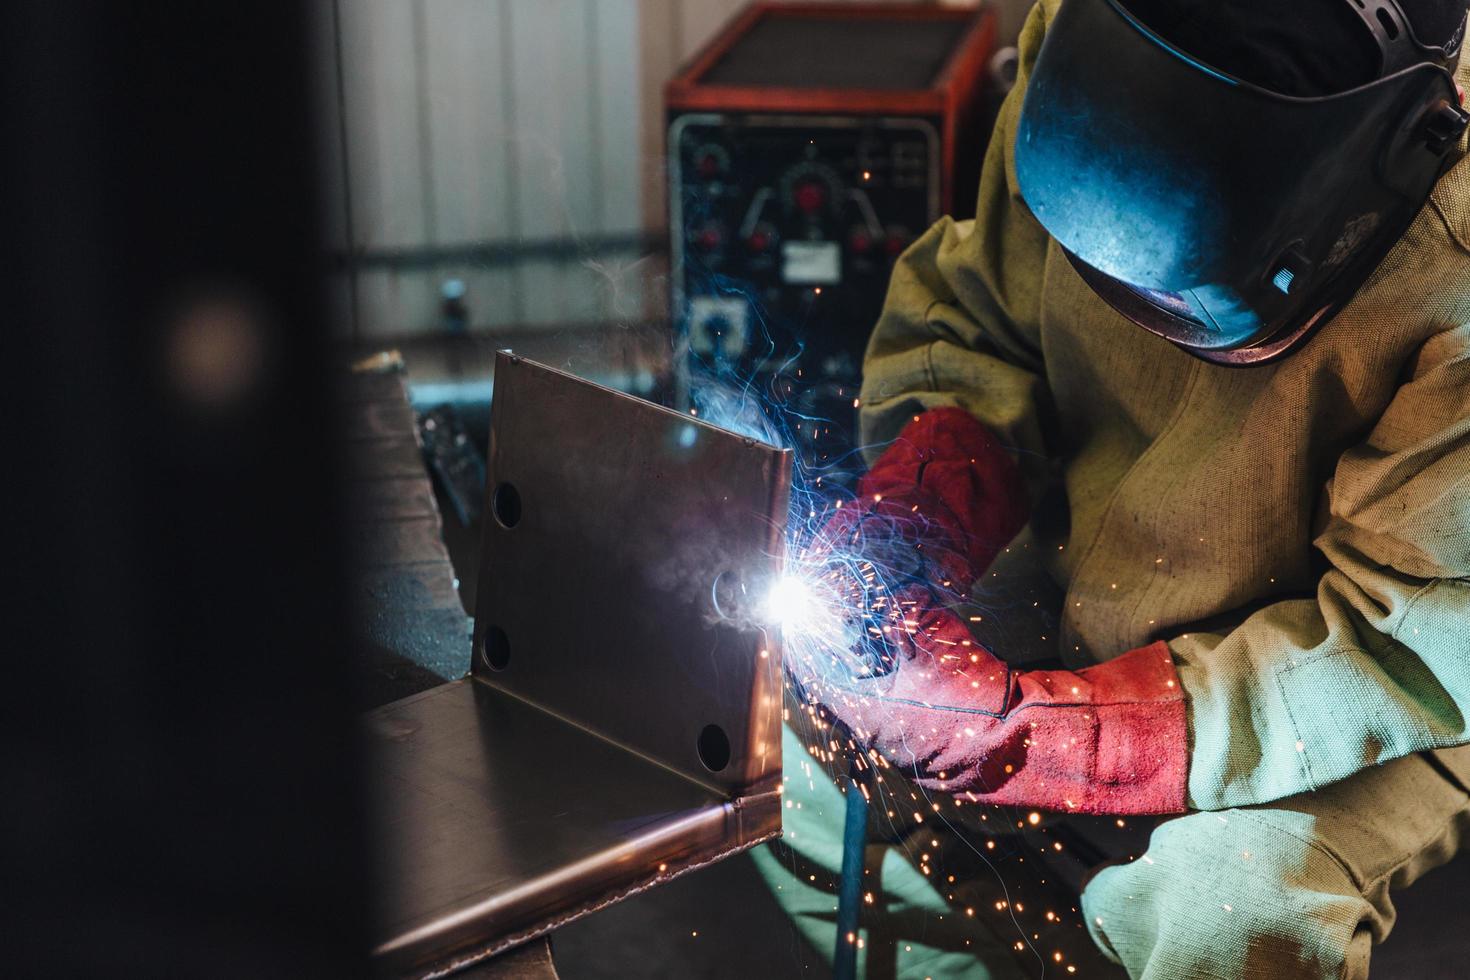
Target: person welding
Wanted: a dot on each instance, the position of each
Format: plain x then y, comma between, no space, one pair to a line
1209,335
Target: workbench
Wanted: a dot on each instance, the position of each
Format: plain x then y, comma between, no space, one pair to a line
413,631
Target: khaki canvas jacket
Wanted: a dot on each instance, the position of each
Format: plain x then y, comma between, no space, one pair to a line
1299,533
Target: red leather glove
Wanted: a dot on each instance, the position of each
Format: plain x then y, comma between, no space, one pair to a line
1106,739
946,492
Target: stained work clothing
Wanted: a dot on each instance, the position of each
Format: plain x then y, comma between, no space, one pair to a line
1298,533
1299,888
1294,890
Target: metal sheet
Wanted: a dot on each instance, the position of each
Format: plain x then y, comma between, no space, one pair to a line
506,822
519,798
638,529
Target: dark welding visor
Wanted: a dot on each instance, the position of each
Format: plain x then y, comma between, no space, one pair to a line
1226,218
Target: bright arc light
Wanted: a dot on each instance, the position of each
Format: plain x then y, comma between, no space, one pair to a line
820,628
792,604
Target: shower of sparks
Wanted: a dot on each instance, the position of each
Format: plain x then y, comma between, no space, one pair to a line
836,618
842,611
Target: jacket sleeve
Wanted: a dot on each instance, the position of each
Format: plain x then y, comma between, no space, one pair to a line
959,327
1377,666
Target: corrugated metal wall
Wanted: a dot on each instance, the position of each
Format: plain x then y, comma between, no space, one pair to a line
513,145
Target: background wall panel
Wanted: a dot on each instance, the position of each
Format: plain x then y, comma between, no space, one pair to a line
380,98
515,145
381,47
467,63
554,150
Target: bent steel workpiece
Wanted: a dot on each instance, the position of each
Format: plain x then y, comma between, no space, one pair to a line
621,723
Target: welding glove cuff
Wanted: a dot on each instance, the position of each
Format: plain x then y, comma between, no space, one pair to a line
1106,739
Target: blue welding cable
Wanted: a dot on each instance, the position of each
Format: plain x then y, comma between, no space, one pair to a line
850,884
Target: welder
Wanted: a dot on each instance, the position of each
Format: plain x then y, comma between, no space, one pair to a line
1208,339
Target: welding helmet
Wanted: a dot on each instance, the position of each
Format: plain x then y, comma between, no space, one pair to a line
1228,218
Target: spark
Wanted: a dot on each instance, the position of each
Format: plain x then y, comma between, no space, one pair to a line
840,618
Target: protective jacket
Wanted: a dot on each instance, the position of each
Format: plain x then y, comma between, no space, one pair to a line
1297,533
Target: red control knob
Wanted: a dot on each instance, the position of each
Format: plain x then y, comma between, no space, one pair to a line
759,241
708,166
860,241
709,238
896,242
810,197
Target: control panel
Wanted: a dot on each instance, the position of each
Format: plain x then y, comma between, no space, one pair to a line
785,232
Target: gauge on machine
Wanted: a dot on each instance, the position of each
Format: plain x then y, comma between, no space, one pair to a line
811,190
711,161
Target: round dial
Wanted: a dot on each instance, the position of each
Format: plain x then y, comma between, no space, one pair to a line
710,161
811,190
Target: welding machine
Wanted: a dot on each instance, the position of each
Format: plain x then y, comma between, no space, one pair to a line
808,145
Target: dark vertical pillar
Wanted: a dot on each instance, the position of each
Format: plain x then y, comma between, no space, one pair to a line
177,772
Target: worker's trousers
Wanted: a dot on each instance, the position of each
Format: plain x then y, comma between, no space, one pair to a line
1300,888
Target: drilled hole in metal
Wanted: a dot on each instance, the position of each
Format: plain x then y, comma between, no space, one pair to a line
714,748
496,649
505,503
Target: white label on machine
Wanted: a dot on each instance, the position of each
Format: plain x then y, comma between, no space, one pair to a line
811,263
